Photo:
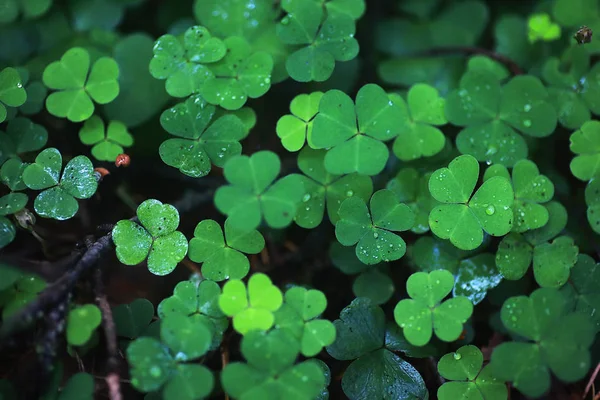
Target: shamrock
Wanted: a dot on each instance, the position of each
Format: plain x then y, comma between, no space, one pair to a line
552,261
155,239
181,60
362,336
474,274
491,113
82,322
134,318
253,195
197,299
30,9
467,379
36,93
425,311
556,340
222,256
163,364
421,113
356,133
373,230
251,309
574,94
76,88
107,144
323,188
270,372
542,28
592,200
240,75
58,201
585,142
296,129
412,188
12,93
22,136
325,37
298,315
201,142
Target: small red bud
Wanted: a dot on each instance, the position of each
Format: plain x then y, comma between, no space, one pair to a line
122,160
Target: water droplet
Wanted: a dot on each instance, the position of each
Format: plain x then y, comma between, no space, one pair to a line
285,21
306,197
527,123
349,193
155,372
490,210
375,235
527,107
457,356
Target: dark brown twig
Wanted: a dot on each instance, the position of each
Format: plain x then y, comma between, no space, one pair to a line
512,66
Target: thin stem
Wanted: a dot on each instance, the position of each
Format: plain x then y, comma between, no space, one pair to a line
512,66
591,381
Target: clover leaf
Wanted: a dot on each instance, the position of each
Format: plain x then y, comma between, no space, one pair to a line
581,289
270,372
425,311
202,140
542,28
11,174
254,195
12,203
12,93
22,136
574,92
22,291
372,230
77,86
155,239
421,113
240,75
462,218
7,232
356,132
474,274
557,341
325,189
412,188
491,113
252,308
82,321
374,284
197,299
362,337
468,379
29,8
133,319
295,129
58,201
220,254
325,37
585,143
298,315
107,144
182,60
592,200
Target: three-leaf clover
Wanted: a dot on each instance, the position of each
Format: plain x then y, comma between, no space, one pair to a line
462,218
22,136
585,143
295,129
325,189
373,230
557,341
425,312
107,144
422,111
355,133
552,261
468,379
270,372
58,201
324,37
181,60
240,75
254,195
197,299
77,86
542,28
362,336
203,139
252,308
581,290
155,239
220,254
491,113
299,314
12,93
82,322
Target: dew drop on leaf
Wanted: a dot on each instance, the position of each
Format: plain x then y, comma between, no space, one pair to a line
527,107
375,235
349,193
306,197
490,210
155,372
527,123
457,356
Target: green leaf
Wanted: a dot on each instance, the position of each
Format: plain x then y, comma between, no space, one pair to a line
45,172
11,174
151,364
220,260
542,28
592,200
582,288
585,142
552,261
82,321
133,318
426,312
189,382
12,93
514,256
133,242
296,129
75,88
12,203
374,285
21,136
187,338
107,144
462,218
531,189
